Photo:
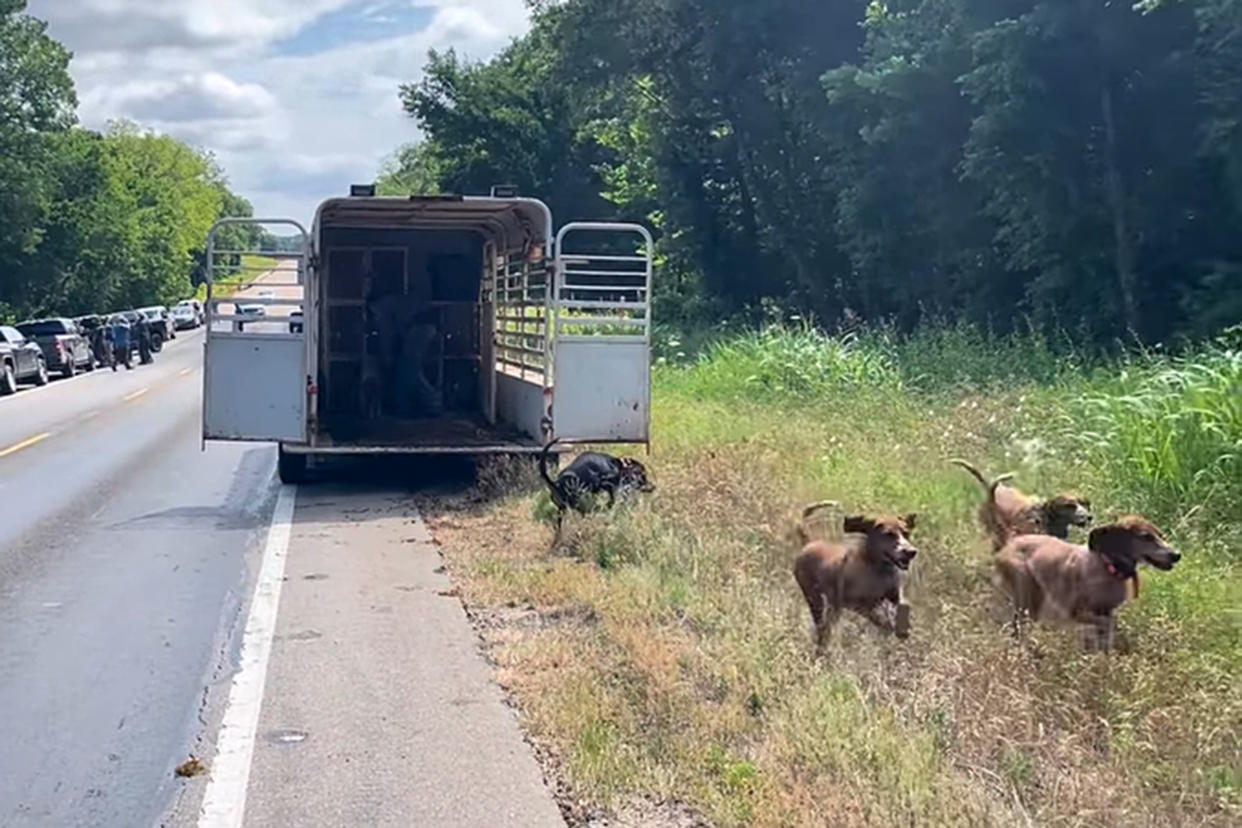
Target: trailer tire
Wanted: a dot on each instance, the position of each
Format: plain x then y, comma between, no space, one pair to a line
291,467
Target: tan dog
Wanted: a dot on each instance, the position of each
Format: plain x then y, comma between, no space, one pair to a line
1050,579
1007,512
860,573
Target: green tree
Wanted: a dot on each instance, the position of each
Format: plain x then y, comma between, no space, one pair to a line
509,121
79,264
36,101
1076,163
412,170
172,196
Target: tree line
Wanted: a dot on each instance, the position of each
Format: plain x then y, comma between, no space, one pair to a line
92,221
1069,164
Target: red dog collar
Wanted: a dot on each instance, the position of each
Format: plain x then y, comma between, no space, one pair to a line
1112,570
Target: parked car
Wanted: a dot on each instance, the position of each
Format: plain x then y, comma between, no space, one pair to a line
295,321
64,347
161,324
184,317
251,312
197,307
20,359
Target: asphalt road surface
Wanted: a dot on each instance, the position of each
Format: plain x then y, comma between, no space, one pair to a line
158,601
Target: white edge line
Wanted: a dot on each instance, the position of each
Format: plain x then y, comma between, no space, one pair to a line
224,802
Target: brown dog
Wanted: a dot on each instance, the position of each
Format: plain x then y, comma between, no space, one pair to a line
1007,512
860,573
1050,579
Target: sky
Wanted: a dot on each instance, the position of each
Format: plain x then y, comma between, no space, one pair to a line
296,98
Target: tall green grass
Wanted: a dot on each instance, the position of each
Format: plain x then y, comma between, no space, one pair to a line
1163,432
781,364
1167,432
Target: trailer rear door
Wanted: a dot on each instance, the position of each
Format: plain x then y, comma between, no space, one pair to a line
255,379
602,333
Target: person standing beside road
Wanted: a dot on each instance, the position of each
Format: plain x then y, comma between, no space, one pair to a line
120,343
144,340
100,346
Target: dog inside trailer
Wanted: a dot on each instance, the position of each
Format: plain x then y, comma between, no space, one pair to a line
408,320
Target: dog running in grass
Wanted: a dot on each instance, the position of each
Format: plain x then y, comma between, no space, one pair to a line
590,474
862,572
1007,512
1049,579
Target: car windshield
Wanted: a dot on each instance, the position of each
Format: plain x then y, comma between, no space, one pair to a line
152,313
45,327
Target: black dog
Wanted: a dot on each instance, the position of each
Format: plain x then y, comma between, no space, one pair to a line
589,474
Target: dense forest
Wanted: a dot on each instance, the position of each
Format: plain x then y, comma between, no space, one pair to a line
90,221
1073,165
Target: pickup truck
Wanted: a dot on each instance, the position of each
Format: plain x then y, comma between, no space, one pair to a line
20,360
64,347
452,325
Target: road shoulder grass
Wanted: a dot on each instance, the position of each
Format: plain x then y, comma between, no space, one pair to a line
662,655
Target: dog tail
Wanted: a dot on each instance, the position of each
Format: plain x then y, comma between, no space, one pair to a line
804,537
543,472
989,486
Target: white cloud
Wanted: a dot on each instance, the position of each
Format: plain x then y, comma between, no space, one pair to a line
289,130
136,25
190,97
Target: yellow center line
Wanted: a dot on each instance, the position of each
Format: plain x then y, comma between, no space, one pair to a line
24,444
136,394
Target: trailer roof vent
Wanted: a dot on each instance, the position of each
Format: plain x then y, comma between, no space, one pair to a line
361,190
504,191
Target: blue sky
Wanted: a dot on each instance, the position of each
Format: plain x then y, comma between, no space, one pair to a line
358,23
296,98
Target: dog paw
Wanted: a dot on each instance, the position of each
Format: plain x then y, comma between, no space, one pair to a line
902,625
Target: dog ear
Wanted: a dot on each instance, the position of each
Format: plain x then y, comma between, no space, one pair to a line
1099,536
857,523
910,520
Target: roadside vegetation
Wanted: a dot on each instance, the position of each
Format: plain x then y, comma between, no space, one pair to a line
248,268
662,654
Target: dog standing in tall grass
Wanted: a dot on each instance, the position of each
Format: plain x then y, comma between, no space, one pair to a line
1007,513
861,573
591,473
1049,579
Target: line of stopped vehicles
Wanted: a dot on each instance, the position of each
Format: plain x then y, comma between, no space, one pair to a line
35,350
